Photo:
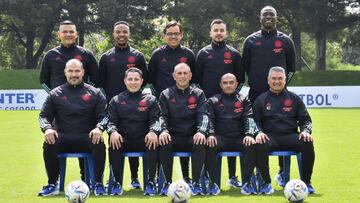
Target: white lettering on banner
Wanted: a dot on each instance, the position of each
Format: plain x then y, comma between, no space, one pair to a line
312,96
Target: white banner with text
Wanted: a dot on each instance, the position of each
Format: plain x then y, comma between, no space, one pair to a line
312,96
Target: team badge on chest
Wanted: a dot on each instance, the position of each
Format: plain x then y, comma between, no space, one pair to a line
238,107
142,105
287,105
183,59
86,97
227,57
131,61
192,102
278,46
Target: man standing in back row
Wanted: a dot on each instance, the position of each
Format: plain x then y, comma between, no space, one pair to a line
212,62
112,67
53,64
264,49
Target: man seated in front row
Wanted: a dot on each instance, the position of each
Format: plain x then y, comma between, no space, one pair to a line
80,113
184,126
284,124
231,116
133,126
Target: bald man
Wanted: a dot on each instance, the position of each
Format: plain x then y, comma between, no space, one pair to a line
184,126
80,113
230,116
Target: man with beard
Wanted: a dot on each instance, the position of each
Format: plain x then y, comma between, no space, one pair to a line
80,113
112,67
212,62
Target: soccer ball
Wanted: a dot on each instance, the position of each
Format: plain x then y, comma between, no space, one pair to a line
179,191
77,192
295,191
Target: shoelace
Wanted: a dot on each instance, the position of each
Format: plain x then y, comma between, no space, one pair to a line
48,186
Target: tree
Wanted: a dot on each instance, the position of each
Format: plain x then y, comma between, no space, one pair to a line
32,29
138,13
323,17
82,13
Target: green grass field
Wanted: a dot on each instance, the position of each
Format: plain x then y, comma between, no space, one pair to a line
335,175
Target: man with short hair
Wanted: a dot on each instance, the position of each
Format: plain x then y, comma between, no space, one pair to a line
112,67
161,68
284,124
212,62
133,126
184,126
80,113
231,116
262,50
53,63
165,58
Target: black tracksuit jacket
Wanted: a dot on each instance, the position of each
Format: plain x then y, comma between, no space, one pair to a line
183,112
281,114
53,65
263,50
162,63
230,115
77,110
133,115
212,62
112,66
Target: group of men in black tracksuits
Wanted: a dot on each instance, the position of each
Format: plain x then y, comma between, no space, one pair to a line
196,106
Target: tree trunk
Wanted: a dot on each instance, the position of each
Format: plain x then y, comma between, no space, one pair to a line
296,37
320,60
81,38
30,63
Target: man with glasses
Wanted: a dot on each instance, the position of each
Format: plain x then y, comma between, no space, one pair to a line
161,68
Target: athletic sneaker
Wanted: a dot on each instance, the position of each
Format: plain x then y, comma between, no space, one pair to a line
116,189
135,184
150,189
196,189
99,189
266,188
50,189
310,188
248,189
280,179
213,189
234,182
165,188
